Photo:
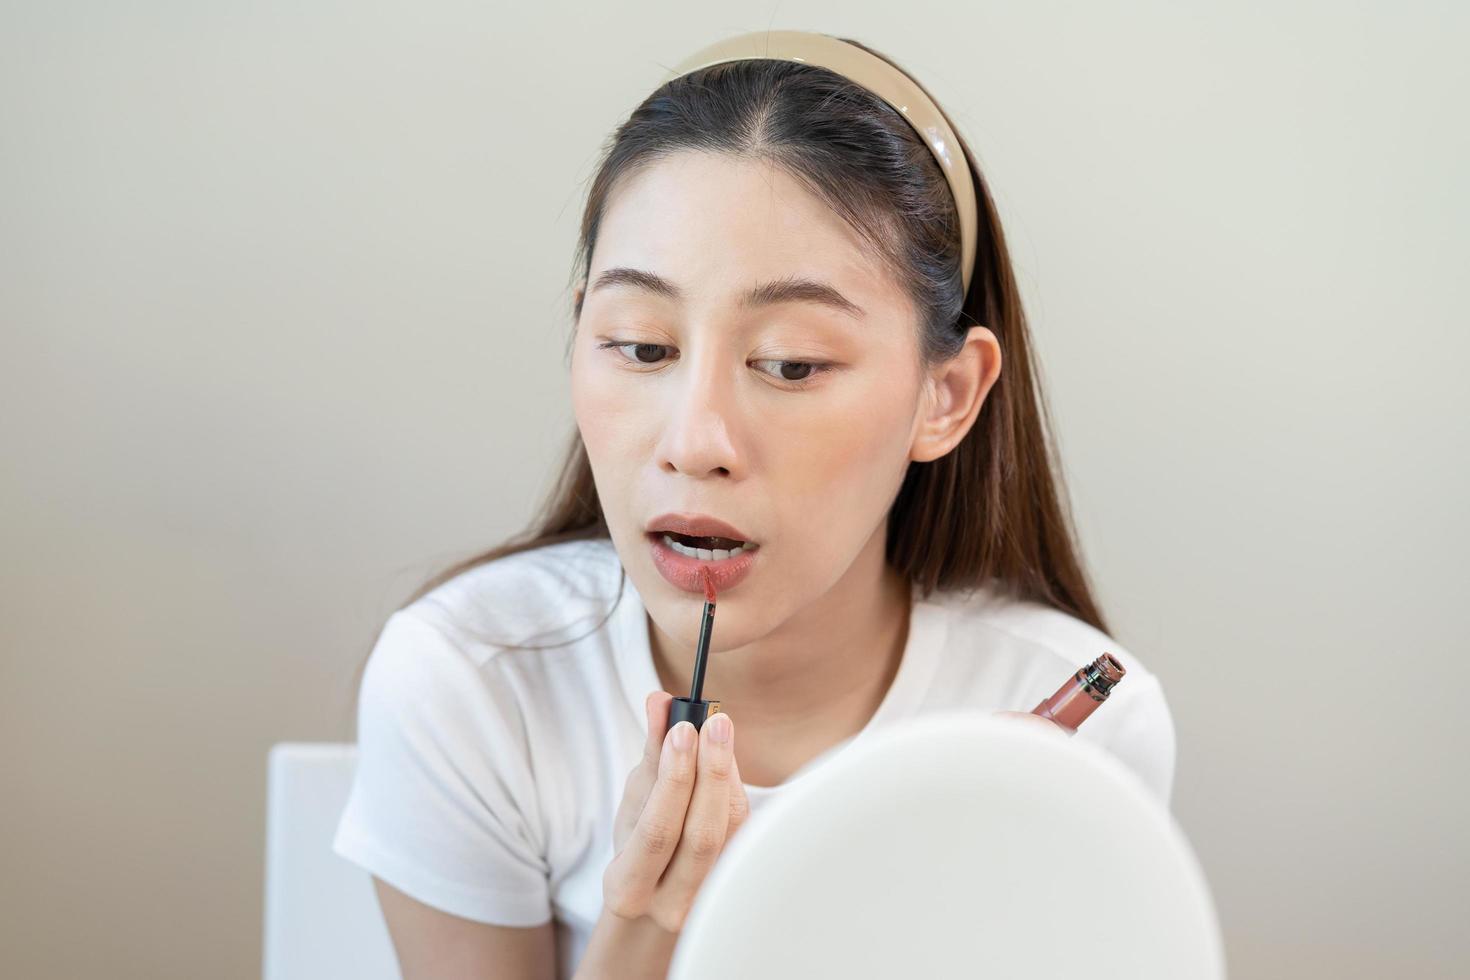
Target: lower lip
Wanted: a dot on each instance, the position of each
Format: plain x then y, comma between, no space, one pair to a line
688,573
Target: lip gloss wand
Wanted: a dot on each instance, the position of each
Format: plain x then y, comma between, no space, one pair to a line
693,709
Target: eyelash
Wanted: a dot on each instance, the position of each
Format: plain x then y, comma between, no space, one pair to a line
818,367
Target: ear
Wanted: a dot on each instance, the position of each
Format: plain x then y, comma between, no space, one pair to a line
953,393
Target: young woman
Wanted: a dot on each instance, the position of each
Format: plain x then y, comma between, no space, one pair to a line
777,341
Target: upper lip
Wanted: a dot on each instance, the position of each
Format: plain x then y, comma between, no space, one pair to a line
698,526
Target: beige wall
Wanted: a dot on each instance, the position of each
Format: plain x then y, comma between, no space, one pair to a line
282,301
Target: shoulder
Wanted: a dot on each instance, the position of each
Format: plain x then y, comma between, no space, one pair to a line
491,639
541,597
1043,634
1026,649
482,648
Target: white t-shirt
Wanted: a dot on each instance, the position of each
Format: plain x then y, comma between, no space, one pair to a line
487,778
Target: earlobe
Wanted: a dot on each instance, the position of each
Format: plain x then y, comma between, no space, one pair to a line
954,393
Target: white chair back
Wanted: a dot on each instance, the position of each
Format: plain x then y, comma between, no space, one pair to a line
322,919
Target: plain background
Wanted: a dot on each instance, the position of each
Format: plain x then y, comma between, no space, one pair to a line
284,291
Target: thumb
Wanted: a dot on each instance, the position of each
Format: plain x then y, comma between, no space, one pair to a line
656,710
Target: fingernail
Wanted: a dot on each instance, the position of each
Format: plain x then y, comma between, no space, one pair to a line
719,728
683,735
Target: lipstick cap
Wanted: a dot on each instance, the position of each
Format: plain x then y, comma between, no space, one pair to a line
694,712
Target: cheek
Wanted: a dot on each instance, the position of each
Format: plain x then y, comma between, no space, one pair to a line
600,404
603,426
857,433
849,458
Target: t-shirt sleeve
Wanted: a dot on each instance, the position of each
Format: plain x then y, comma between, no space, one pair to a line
443,804
1140,732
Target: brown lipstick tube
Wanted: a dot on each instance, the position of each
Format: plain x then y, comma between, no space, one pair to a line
1082,693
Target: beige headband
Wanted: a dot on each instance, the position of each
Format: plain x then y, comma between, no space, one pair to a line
878,77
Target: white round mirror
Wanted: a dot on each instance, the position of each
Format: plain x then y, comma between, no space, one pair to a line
957,845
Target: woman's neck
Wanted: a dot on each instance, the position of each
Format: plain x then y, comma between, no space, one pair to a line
799,691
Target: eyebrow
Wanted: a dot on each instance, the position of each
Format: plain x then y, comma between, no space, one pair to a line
793,289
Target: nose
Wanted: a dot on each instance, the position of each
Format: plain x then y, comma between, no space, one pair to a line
698,437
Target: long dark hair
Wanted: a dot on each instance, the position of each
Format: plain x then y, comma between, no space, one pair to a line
992,510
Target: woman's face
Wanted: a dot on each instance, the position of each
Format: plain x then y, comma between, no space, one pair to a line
791,421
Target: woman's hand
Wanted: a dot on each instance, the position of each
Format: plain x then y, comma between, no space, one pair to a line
679,808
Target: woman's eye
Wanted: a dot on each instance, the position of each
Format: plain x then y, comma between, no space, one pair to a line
795,374
641,353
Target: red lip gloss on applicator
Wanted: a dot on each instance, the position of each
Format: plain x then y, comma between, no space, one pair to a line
1082,693
692,709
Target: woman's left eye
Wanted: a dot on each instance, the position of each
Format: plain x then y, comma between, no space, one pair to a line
806,371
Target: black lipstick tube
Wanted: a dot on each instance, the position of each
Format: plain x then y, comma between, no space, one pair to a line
693,709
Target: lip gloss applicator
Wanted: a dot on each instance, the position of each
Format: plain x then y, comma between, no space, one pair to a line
692,709
1082,693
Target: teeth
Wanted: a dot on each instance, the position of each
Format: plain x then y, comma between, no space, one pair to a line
704,554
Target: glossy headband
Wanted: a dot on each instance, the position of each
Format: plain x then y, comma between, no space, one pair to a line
878,77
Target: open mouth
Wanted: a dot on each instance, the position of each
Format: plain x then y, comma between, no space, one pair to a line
706,549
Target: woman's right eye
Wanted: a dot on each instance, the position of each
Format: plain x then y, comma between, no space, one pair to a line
641,353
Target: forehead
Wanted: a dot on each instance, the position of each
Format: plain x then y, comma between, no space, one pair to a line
715,222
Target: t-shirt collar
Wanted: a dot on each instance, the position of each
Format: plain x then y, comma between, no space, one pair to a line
928,631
